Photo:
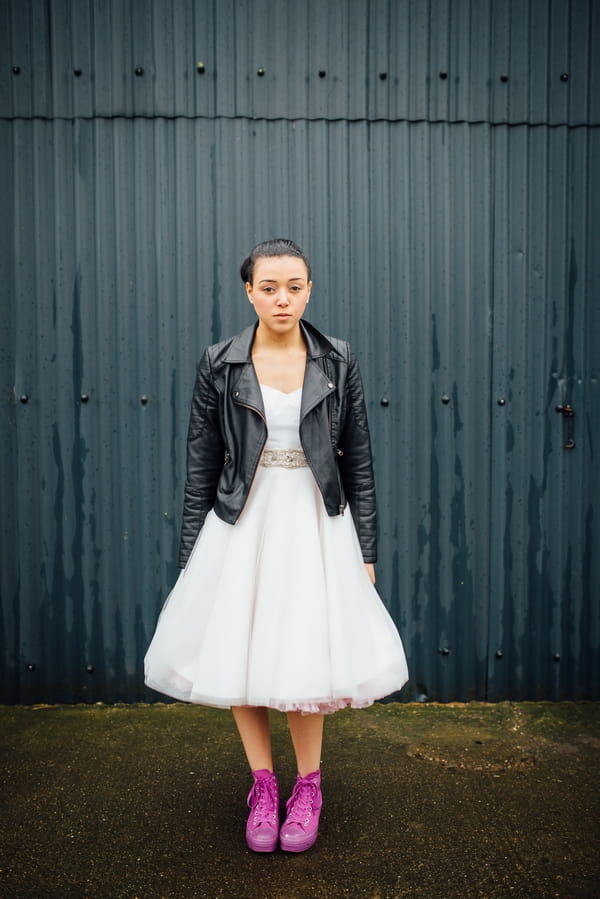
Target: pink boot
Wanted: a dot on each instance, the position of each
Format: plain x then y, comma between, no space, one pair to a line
263,824
300,828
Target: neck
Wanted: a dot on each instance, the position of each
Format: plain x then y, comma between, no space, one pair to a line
265,341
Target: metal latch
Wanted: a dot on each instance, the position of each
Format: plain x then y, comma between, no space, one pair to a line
568,413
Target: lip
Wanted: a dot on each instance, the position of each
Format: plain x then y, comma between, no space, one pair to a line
283,315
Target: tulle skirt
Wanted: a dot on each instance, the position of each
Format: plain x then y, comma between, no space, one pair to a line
277,610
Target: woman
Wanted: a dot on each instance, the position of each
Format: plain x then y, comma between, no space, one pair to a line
276,607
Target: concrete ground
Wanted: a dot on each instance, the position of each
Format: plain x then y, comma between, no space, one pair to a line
420,800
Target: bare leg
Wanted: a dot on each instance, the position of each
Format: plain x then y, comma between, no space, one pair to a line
307,738
253,726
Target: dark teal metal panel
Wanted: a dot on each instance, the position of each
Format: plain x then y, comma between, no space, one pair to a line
442,60
451,224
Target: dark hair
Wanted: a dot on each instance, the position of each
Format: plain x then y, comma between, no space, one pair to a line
279,246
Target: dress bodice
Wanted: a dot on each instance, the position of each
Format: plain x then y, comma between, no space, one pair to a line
282,412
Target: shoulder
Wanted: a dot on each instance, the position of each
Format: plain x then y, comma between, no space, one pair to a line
233,349
341,347
325,345
217,351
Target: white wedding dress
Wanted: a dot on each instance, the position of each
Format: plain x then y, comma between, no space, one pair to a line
277,610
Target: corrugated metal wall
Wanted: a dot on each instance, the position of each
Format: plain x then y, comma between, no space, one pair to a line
439,162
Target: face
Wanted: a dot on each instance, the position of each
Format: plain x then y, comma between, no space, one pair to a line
279,292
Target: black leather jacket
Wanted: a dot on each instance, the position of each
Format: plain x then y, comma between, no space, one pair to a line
228,432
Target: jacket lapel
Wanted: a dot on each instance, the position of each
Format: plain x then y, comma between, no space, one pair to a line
246,389
316,387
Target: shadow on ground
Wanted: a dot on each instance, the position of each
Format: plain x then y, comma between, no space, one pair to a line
420,800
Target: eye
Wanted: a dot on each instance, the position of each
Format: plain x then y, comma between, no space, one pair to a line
295,288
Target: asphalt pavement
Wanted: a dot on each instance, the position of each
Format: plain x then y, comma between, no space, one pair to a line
420,800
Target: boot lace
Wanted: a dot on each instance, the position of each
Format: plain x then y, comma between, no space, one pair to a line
299,806
262,799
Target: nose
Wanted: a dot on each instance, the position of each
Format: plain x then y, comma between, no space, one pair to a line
282,298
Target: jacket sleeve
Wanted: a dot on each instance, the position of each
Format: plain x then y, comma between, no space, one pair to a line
356,464
205,455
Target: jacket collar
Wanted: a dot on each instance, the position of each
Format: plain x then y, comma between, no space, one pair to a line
317,345
317,386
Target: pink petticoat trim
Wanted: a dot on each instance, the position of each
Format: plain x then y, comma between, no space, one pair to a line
319,708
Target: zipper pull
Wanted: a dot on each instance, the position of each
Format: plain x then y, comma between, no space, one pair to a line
341,508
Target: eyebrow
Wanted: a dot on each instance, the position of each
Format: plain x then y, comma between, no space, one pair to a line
273,280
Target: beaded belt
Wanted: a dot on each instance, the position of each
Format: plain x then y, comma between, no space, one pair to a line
283,458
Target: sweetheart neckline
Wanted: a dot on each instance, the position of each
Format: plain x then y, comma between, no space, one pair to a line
283,392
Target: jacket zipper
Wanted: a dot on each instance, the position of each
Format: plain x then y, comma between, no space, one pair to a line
259,413
338,451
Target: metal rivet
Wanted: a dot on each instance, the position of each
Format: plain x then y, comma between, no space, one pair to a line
16,70
139,70
444,651
504,77
24,398
443,74
200,68
31,666
556,656
564,76
382,76
331,386
144,400
77,73
322,73
499,654
384,401
260,72
445,399
501,401
89,669
84,397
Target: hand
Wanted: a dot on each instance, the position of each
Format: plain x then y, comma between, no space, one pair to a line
370,569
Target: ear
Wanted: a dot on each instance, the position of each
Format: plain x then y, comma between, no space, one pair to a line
249,290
